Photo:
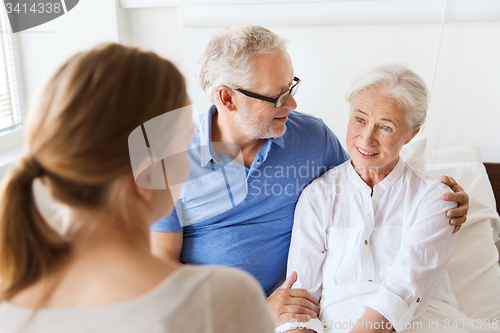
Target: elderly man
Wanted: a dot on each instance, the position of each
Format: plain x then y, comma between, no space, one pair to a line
251,156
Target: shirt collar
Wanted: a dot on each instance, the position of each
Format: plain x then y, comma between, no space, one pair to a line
205,129
390,179
279,141
207,153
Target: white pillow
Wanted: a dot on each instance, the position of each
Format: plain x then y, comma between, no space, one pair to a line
414,152
473,270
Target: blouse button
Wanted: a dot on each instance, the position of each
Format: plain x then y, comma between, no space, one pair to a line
366,242
418,300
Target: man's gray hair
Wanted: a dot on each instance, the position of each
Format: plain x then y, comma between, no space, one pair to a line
228,58
396,80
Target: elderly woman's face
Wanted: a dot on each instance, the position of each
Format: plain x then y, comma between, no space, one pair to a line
376,132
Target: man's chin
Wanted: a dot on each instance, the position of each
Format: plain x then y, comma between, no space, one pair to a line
273,134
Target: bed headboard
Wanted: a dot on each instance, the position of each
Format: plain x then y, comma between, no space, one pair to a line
493,170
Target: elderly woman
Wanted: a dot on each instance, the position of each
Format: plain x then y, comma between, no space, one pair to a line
371,236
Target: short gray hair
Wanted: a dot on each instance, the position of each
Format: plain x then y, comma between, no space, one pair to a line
228,58
398,81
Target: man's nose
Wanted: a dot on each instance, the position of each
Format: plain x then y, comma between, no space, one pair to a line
290,103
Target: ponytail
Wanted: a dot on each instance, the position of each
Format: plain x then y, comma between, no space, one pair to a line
29,246
77,139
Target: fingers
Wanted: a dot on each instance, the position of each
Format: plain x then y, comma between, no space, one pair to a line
458,221
296,310
459,194
288,304
289,281
450,181
309,304
458,215
295,298
304,294
461,197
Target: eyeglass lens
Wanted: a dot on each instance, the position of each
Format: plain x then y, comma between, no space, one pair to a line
282,99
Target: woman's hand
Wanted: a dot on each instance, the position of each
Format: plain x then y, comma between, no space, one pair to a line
369,321
458,215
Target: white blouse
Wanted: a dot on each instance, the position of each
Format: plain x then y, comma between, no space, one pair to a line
387,251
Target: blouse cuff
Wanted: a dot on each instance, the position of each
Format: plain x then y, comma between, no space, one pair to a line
314,324
394,308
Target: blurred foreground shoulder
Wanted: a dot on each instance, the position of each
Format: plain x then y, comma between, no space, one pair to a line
239,302
219,299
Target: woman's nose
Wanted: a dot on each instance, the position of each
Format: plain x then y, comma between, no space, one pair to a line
369,136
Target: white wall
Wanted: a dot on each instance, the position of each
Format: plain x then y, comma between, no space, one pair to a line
464,108
42,49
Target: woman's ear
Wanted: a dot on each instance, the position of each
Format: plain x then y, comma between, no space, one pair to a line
143,193
412,135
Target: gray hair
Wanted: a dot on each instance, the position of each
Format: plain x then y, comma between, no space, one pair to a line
228,58
398,81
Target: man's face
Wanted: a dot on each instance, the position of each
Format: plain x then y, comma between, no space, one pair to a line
258,119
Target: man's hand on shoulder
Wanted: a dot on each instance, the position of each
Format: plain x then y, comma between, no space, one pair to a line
287,304
458,215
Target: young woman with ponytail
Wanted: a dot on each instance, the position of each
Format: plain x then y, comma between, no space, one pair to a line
97,275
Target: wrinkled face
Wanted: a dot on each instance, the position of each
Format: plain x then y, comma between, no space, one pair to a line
258,119
376,132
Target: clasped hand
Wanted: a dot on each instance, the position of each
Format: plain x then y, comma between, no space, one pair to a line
288,304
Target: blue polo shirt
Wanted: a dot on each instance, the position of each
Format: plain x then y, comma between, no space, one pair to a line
242,217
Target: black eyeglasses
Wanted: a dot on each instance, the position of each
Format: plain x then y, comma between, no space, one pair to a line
278,101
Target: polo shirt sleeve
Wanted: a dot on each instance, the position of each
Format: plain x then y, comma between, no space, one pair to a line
168,224
334,152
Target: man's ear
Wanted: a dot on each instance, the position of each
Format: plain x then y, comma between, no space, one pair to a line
412,135
225,95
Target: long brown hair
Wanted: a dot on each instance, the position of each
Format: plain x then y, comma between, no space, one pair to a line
76,141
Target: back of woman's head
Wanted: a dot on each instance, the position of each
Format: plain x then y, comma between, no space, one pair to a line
77,141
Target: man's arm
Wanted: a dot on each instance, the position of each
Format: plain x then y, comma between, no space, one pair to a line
458,215
167,245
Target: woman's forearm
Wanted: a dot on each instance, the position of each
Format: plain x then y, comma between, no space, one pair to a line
372,322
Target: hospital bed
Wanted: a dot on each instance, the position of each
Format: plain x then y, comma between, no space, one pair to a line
474,268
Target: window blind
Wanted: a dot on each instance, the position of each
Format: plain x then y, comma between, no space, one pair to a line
10,116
